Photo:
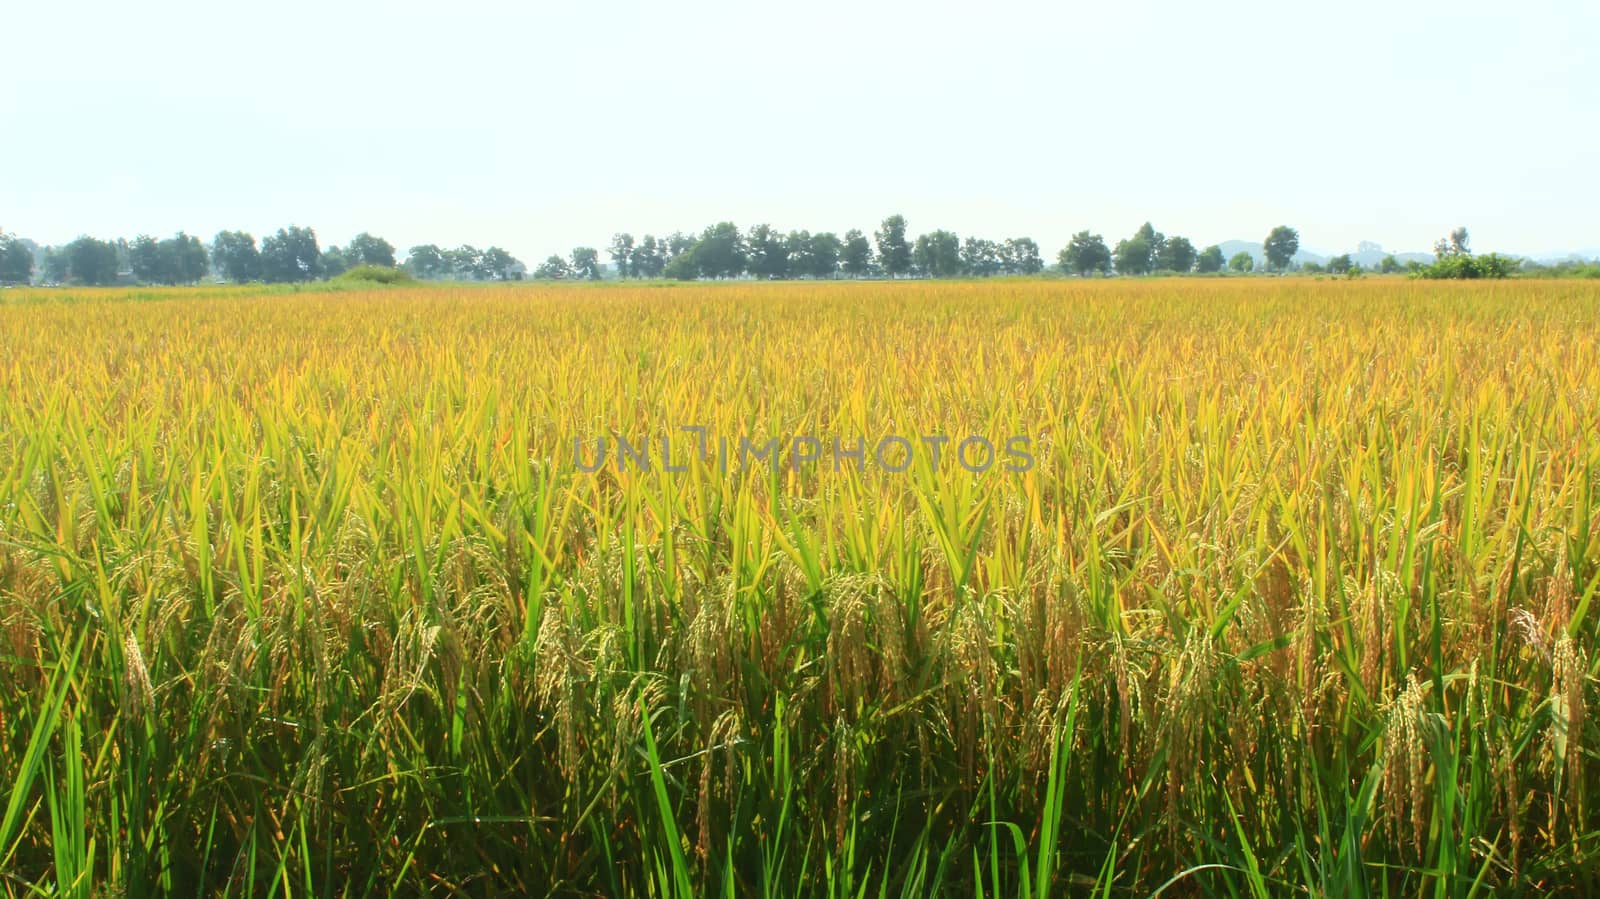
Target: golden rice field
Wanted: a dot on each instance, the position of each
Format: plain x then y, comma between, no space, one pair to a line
313,594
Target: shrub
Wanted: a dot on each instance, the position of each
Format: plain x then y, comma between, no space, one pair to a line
379,274
1491,265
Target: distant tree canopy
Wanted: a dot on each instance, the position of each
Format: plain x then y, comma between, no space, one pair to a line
1020,256
1148,250
235,256
1279,248
464,263
622,257
586,263
16,260
765,251
291,255
553,269
1154,243
682,267
180,259
1087,254
817,255
1132,256
1176,255
89,261
334,262
856,257
894,253
1453,259
364,249
719,251
937,255
649,258
426,261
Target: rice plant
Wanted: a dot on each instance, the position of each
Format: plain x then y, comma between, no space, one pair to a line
311,594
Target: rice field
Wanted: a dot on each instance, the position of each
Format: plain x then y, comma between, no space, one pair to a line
331,594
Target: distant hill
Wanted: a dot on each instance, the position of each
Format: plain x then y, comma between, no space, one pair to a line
1367,254
1589,255
1232,248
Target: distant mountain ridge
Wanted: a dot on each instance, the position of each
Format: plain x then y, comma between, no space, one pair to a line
1589,255
1367,254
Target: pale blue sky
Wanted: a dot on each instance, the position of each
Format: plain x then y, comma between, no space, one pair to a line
540,126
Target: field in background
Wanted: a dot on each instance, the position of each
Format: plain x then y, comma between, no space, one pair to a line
303,594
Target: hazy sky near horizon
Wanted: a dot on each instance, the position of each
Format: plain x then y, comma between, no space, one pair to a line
542,126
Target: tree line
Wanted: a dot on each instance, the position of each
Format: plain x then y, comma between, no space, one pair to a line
1149,251
720,251
724,251
290,255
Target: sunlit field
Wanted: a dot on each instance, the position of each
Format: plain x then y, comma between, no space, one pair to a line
329,593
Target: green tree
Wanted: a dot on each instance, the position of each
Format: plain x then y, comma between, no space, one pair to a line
334,262
90,261
290,255
180,259
1085,254
823,255
501,265
684,266
586,263
979,258
799,246
649,258
145,260
426,261
465,262
1454,259
856,257
1210,260
1340,265
1389,265
768,253
1155,241
364,249
236,256
1465,265
622,255
16,260
184,259
937,255
1132,256
1176,255
1280,246
721,251
1241,263
894,253
553,269
55,265
677,243
1021,257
